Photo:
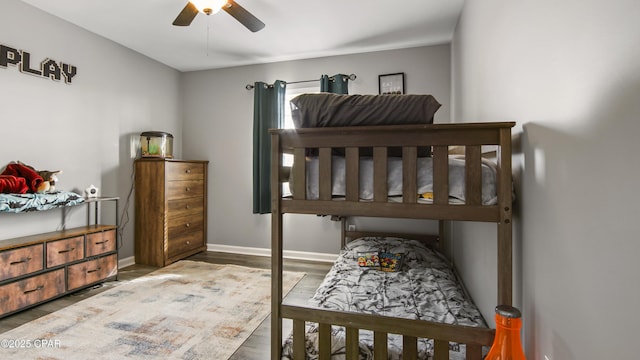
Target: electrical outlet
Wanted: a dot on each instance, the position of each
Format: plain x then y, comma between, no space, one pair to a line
352,228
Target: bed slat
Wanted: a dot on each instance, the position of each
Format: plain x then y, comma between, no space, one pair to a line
474,352
300,174
352,173
473,175
440,350
409,174
440,175
298,339
324,179
409,347
380,351
324,342
353,343
380,174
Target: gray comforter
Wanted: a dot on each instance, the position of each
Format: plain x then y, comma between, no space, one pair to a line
331,110
425,288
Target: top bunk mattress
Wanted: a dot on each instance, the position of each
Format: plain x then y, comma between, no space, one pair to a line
337,110
395,179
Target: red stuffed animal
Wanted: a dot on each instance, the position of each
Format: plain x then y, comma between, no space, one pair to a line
19,178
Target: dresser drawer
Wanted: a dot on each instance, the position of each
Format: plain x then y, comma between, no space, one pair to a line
21,261
101,242
31,291
92,271
185,233
184,189
65,251
184,243
184,171
183,207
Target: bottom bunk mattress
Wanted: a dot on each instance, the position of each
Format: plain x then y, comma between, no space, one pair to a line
392,277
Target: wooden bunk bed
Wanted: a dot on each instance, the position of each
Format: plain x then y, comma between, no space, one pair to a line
440,137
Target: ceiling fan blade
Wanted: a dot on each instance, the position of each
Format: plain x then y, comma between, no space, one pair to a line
243,16
186,16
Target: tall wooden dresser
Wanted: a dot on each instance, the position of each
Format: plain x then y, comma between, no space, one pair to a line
171,210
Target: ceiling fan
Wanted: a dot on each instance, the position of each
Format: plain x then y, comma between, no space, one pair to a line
209,7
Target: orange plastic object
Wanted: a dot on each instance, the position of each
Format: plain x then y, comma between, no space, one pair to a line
506,344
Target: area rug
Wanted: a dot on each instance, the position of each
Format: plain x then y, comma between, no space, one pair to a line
187,310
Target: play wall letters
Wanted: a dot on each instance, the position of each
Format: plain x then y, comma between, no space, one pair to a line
48,68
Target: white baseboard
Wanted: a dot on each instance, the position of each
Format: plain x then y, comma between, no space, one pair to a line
287,254
122,263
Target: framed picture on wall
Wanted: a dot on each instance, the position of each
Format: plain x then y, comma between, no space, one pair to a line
391,83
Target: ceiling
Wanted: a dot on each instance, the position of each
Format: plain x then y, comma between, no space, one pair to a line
295,29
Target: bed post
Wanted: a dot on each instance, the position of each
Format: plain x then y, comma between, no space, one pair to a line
505,245
276,249
343,231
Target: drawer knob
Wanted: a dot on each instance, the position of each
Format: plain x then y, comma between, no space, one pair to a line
188,242
188,206
187,225
187,189
188,171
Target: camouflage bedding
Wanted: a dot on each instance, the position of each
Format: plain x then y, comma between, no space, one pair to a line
17,203
425,288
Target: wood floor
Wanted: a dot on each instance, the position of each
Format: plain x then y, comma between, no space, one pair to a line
257,347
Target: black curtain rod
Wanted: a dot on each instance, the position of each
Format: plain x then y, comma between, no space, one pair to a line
351,77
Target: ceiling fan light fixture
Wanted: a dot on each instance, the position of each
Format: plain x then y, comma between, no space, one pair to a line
209,6
189,12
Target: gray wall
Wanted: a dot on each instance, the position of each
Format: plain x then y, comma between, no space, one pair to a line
88,128
218,123
83,128
568,73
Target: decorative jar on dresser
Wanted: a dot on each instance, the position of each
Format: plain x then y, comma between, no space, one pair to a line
171,210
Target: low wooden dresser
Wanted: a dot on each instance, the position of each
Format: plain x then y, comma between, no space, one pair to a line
38,268
170,210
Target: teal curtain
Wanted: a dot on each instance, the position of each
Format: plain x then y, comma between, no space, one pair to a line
337,84
268,113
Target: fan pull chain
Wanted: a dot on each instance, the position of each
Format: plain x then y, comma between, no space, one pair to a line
208,30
